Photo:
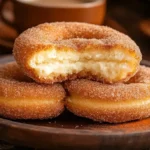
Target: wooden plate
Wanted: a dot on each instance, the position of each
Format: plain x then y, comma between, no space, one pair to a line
69,131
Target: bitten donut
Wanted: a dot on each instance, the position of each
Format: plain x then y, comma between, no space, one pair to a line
114,103
22,98
55,52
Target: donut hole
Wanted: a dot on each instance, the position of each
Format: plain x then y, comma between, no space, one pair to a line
112,64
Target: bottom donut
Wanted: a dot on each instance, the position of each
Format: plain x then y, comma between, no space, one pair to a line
22,98
115,103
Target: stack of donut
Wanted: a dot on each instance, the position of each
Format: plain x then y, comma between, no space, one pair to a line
97,66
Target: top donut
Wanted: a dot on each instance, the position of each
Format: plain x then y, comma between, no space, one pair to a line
55,52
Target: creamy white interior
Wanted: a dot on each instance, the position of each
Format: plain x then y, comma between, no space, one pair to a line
107,64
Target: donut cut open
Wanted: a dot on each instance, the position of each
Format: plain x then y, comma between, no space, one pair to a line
57,52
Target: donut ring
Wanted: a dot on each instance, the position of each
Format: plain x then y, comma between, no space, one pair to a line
21,98
113,103
55,52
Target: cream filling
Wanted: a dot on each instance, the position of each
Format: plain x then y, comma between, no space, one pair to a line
111,65
101,104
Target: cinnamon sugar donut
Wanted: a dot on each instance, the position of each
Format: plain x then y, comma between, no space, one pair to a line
22,98
55,52
114,103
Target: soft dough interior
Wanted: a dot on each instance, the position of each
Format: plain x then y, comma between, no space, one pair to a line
111,65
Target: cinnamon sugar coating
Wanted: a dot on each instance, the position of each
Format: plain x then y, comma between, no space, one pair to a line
112,103
77,38
22,98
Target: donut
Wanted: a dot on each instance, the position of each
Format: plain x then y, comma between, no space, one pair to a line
22,98
113,103
56,52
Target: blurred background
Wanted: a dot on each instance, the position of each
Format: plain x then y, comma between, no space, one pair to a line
131,17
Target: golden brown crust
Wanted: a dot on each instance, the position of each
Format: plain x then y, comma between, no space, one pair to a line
113,92
22,98
110,114
30,109
142,76
111,103
72,36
